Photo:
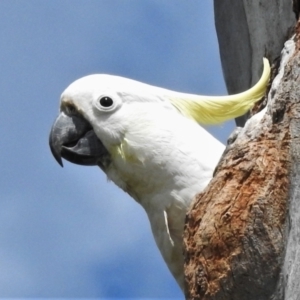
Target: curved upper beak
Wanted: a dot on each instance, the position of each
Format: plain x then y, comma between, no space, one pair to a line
73,138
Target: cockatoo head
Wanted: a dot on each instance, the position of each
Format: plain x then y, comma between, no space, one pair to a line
96,113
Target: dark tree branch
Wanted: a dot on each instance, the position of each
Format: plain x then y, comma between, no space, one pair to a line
247,31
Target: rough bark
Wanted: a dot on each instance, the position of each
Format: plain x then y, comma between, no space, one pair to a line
242,234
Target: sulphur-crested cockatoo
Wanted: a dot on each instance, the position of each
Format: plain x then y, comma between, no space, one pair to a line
149,143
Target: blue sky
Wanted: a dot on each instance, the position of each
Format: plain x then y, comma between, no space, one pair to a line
68,232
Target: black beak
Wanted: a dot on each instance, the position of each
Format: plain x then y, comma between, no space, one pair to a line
73,138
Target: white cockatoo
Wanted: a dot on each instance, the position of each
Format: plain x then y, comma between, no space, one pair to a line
149,142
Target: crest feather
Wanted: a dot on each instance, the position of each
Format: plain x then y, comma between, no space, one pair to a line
218,109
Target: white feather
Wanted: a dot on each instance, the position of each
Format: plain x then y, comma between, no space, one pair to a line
160,157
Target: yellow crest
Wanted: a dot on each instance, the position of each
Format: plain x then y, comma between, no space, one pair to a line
218,109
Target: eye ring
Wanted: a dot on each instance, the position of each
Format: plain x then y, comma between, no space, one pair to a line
106,102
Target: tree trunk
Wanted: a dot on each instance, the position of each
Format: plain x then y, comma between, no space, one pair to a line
242,233
247,31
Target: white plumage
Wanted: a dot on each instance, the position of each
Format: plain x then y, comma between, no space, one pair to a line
158,154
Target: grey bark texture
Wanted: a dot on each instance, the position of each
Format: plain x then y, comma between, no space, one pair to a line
247,30
242,233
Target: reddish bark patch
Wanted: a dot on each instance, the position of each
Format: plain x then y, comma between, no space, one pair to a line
235,231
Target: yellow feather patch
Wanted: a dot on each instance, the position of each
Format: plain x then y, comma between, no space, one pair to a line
123,151
218,109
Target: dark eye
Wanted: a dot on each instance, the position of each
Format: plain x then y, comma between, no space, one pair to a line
106,101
